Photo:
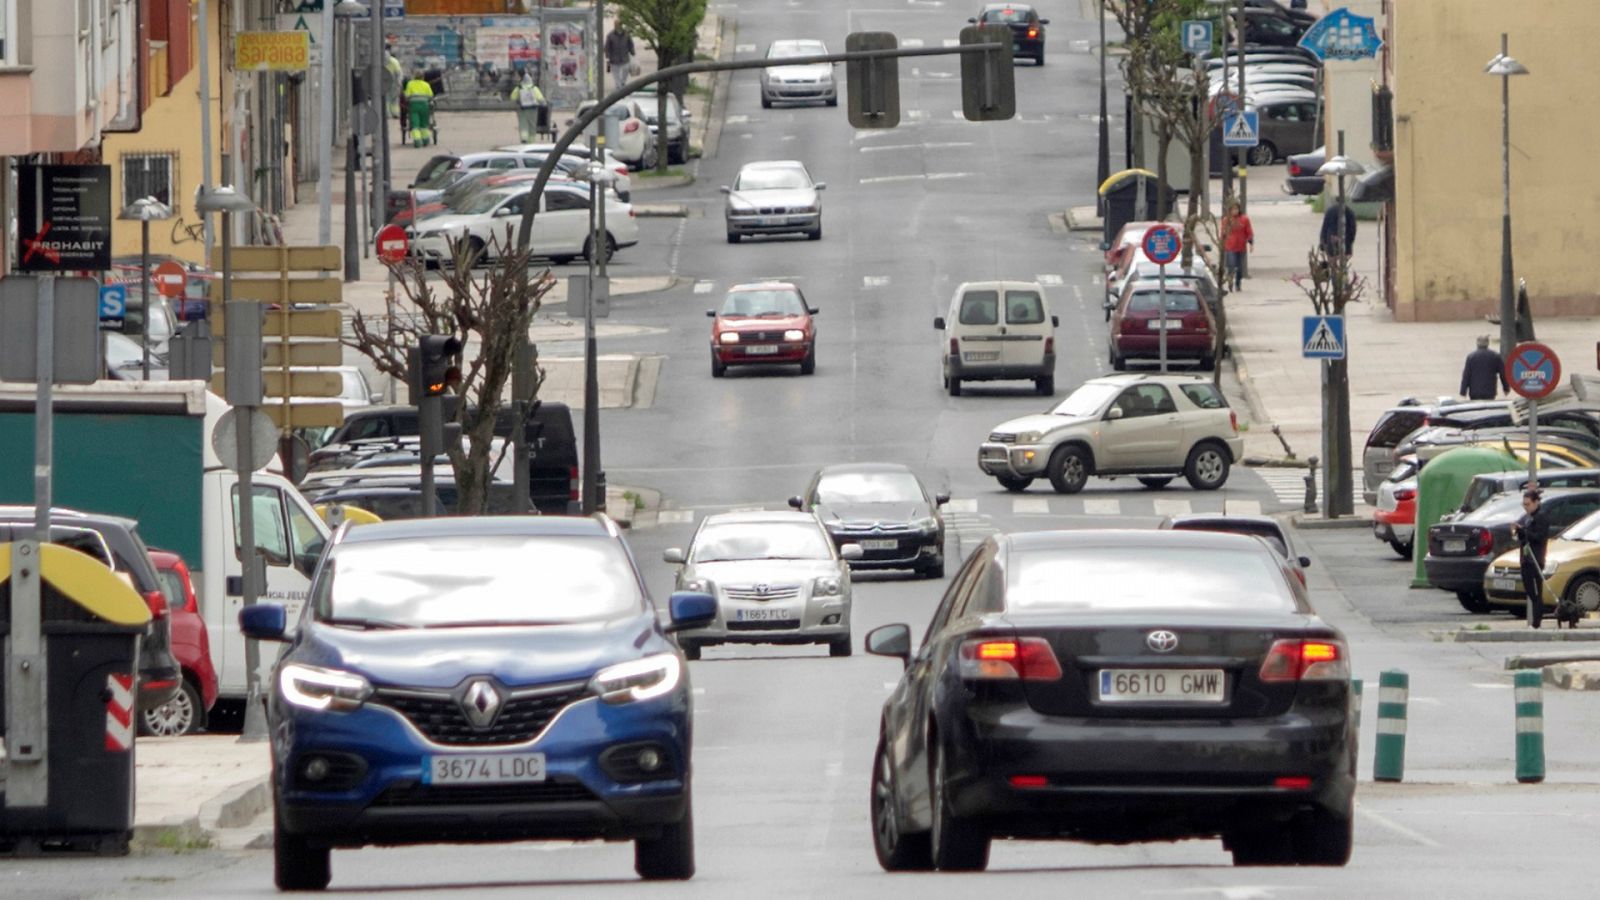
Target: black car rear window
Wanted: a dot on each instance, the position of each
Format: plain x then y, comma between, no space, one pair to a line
1393,426
1268,533
1136,579
1009,16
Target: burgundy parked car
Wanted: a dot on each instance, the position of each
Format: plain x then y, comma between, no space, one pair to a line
186,713
1136,325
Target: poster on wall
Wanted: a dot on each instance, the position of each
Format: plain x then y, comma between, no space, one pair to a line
566,60
473,61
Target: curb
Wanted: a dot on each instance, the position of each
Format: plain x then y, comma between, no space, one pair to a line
235,807
661,211
660,183
1539,660
1305,523
1524,636
1573,676
1078,220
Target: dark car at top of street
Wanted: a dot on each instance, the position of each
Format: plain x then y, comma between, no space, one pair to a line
185,713
1137,323
1302,178
1027,29
886,509
1117,686
1289,124
434,693
763,323
1269,27
1459,552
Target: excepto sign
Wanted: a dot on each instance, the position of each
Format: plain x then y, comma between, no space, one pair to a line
392,245
1533,370
63,218
284,51
1162,244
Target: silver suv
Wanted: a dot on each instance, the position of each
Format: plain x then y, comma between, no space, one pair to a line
1149,425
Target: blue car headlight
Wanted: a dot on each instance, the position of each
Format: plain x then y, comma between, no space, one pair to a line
639,679
311,687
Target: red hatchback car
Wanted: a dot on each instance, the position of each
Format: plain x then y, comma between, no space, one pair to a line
185,713
763,324
1136,325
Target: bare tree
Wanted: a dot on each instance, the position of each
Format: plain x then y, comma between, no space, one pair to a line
490,309
668,27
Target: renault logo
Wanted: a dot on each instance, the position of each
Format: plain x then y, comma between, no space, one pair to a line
1162,641
481,703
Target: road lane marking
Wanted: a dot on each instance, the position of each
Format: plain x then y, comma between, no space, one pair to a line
1491,687
913,43
942,145
1102,507
874,281
1025,506
916,115
675,516
952,42
964,505
703,287
886,179
943,176
1242,507
1396,827
1050,280
1172,507
745,48
735,120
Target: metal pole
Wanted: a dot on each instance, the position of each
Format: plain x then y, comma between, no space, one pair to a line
352,252
380,121
205,116
144,286
324,129
428,412
591,377
1533,443
1508,309
254,727
1244,170
1162,313
521,388
1103,158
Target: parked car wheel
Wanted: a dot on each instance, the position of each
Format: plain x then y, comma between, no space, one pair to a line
840,647
954,384
611,247
897,851
669,856
1069,469
1403,549
934,569
1263,154
1207,467
1584,592
1118,364
1321,838
1015,485
959,844
296,865
1046,386
690,651
1475,602
179,716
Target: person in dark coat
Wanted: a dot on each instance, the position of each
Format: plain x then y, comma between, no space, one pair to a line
1338,214
1484,367
1532,531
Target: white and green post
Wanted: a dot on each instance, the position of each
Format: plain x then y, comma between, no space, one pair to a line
1394,688
1530,727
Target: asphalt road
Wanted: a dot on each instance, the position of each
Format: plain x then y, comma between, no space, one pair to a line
784,735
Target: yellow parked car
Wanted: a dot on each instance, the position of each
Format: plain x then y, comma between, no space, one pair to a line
1571,567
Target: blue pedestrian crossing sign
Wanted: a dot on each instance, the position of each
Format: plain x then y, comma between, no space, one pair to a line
1241,129
1322,337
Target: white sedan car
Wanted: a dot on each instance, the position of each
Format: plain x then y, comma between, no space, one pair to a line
804,84
490,220
776,197
777,578
580,149
627,132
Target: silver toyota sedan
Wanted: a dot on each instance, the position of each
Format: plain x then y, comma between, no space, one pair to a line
777,579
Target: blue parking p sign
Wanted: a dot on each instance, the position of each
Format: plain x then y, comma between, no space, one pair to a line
113,302
1197,37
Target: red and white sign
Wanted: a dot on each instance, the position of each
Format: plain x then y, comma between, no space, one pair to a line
170,279
1162,243
1533,370
119,712
392,245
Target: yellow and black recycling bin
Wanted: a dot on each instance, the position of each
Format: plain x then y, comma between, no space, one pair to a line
92,622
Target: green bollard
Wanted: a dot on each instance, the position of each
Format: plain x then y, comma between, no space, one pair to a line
1390,762
1530,727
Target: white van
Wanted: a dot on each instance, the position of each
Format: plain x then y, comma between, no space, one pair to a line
998,330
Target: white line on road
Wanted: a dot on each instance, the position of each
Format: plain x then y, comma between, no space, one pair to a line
703,287
965,505
944,176
885,179
1172,507
1242,507
916,115
890,685
1049,280
1396,827
913,43
745,48
1102,507
944,145
952,42
1024,506
873,281
735,120
675,516
1491,686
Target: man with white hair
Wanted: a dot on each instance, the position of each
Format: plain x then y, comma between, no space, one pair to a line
1484,369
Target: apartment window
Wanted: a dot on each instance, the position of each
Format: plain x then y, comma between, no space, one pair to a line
8,27
149,175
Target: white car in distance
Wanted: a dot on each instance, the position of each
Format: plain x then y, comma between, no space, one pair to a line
803,83
560,227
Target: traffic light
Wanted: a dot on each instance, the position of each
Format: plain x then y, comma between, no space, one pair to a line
988,82
433,366
872,86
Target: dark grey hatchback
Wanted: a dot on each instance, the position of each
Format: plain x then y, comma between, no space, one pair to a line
1117,687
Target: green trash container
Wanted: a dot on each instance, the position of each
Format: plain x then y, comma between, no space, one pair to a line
91,667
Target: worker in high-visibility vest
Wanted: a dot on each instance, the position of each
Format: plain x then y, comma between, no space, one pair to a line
419,104
393,76
531,107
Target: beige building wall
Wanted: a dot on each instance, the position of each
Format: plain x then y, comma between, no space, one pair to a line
1447,157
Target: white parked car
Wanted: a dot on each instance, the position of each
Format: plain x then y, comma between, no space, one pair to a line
777,578
775,197
560,227
808,83
627,133
998,330
623,184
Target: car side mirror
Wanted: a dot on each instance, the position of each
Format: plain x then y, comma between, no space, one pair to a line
938,322
1105,246
687,115
674,555
1305,562
725,189
1114,413
1044,21
264,622
941,499
502,212
711,314
891,640
821,186
969,22
813,311
689,609
852,552
1055,321
797,502
375,399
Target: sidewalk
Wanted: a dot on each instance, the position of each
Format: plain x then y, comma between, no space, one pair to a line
189,790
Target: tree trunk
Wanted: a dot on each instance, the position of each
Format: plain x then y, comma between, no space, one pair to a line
1163,144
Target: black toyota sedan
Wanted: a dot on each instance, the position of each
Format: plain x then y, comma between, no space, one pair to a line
884,508
1117,686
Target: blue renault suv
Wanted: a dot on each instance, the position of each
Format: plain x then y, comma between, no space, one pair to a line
479,679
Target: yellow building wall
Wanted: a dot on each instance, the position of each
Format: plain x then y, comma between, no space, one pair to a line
1448,185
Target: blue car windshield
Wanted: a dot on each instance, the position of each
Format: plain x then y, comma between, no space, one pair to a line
477,580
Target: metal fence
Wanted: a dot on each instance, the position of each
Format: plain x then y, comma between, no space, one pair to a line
474,62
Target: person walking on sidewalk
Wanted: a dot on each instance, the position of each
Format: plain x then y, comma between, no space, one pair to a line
1238,238
1483,369
419,106
619,54
1338,236
1532,531
531,108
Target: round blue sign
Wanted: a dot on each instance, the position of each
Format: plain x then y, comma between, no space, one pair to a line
1533,369
1162,244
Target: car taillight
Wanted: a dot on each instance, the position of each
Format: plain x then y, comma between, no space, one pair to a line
1297,660
955,347
1294,168
1485,541
1049,345
1006,659
157,602
620,169
574,485
1233,419
1405,493
630,126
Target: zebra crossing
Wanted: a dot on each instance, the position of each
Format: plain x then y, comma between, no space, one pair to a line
1289,485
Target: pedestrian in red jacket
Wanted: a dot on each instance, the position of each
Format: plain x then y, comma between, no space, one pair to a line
1237,238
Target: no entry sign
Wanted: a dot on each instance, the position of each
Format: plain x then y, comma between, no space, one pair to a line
392,244
1533,370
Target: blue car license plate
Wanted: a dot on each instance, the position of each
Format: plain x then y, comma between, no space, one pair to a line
483,768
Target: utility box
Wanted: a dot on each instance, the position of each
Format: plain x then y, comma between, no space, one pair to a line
1121,194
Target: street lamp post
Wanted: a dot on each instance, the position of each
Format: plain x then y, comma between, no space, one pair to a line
143,210
1504,66
1103,160
347,10
1336,450
600,179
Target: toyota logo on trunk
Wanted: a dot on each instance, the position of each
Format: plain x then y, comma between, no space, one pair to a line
1162,641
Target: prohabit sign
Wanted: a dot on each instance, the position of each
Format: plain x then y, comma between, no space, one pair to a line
63,218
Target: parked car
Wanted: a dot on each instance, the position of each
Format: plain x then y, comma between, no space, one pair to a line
1394,515
1109,427
763,323
124,359
1269,27
883,507
1488,484
393,495
624,182
560,227
997,331
777,579
627,133
197,693
413,705
677,123
1027,28
1271,531
1459,552
1138,267
1393,426
1303,179
773,197
1298,16
115,542
788,84
1137,324
476,181
1116,686
1288,126
1571,570
1126,242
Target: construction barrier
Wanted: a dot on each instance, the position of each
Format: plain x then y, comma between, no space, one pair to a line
1389,764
